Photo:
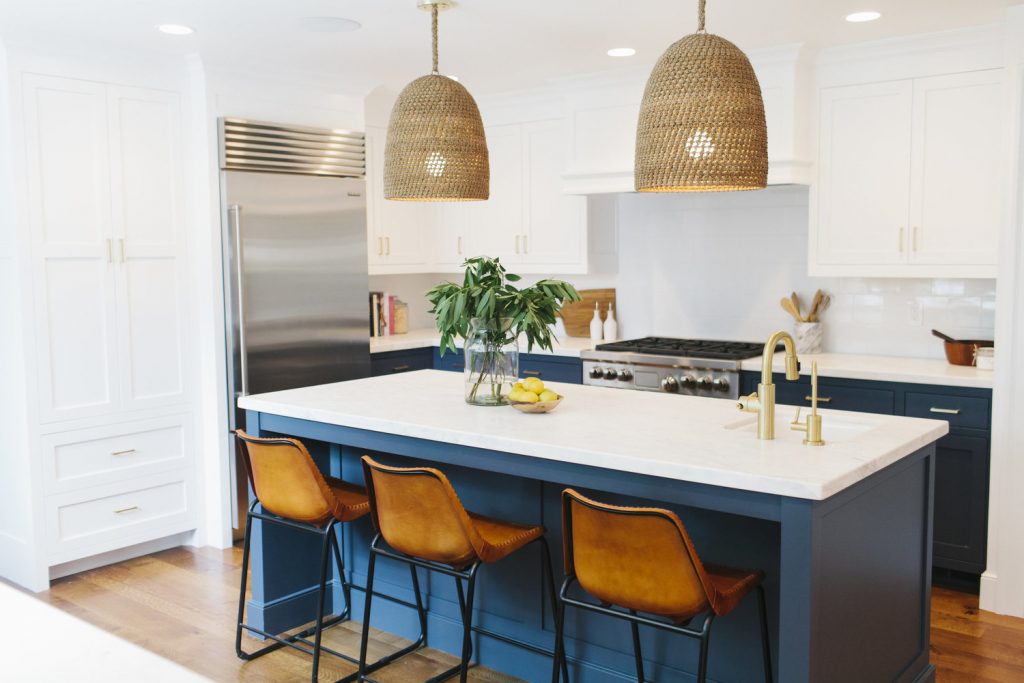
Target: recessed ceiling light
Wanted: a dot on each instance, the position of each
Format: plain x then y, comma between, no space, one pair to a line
329,24
621,52
861,17
175,29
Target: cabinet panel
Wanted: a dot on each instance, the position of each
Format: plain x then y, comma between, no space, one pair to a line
556,222
152,333
395,362
864,169
956,198
498,224
399,231
961,502
549,370
959,411
865,400
69,184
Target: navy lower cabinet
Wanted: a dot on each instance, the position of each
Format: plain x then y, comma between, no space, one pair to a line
544,367
960,535
392,362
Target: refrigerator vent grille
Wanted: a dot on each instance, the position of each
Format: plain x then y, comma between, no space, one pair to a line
259,146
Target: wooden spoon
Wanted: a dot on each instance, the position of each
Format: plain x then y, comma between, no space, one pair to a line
788,307
825,302
812,315
796,304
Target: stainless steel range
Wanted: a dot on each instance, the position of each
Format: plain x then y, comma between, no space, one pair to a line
692,367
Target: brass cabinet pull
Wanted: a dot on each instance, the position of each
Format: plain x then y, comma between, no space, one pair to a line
387,248
124,452
120,245
380,246
526,249
535,373
901,239
913,238
518,237
456,366
110,251
130,508
821,399
944,411
459,245
399,368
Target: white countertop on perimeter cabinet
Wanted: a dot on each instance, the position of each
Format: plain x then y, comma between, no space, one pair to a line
701,440
420,339
884,369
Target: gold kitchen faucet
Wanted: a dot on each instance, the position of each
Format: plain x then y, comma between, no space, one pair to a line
762,401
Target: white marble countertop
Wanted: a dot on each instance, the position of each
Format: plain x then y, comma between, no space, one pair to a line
884,369
701,440
419,339
47,644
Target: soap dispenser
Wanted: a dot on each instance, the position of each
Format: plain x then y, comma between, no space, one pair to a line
611,326
596,328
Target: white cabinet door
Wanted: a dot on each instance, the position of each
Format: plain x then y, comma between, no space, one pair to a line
69,199
556,227
958,148
453,234
497,224
863,194
146,175
400,232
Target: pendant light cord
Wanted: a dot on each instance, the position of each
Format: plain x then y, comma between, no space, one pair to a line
700,18
433,33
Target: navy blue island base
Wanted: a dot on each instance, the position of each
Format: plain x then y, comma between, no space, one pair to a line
848,577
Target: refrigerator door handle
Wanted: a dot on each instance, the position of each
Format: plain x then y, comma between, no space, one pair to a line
235,214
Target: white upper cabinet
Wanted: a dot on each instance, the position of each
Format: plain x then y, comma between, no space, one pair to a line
908,178
400,232
955,182
556,223
497,224
863,190
105,183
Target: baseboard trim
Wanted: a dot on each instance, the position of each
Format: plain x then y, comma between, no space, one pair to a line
58,571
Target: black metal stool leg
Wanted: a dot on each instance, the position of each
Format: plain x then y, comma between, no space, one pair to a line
346,588
467,625
241,594
549,578
366,612
637,652
559,646
705,641
766,645
325,555
421,612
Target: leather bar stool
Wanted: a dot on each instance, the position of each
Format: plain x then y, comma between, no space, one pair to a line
291,492
641,560
419,517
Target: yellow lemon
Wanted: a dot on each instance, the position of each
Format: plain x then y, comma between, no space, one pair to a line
533,384
518,386
525,397
548,395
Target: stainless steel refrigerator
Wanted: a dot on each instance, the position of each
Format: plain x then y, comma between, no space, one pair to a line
295,268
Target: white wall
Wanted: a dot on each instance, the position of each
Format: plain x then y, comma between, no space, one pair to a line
716,265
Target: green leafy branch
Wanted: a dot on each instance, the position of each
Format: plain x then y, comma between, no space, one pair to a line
486,292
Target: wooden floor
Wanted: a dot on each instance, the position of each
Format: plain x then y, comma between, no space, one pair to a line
181,604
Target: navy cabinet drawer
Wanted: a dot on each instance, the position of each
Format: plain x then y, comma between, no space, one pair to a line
455,361
544,367
959,411
393,362
860,399
961,503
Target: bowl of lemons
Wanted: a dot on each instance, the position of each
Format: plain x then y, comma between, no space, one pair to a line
531,396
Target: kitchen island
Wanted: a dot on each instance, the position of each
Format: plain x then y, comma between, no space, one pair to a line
843,532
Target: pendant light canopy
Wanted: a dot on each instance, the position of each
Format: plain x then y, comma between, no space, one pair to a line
436,150
701,126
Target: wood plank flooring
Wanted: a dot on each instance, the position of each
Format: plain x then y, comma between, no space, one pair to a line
181,604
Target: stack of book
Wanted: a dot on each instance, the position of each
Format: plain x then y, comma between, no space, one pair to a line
388,315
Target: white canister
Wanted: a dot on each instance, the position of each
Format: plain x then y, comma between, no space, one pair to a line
809,337
985,358
596,326
611,326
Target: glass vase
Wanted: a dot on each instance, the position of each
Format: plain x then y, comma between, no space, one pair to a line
492,362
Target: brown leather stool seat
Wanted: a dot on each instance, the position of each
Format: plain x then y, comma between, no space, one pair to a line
642,560
417,513
292,492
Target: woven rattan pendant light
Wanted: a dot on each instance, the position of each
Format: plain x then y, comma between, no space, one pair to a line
436,150
701,126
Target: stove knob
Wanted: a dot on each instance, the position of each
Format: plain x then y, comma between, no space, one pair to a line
689,382
670,385
704,382
625,375
596,373
721,384
611,373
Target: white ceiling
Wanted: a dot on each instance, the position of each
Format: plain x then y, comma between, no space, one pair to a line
490,44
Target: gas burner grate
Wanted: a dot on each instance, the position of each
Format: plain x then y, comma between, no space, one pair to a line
692,348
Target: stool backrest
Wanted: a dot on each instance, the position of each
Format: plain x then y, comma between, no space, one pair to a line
285,479
418,513
637,558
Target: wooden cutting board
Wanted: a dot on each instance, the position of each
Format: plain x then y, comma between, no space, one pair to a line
577,316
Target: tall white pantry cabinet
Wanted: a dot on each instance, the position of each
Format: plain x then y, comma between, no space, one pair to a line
108,382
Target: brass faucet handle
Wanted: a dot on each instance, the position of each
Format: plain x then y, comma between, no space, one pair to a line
813,429
750,403
796,425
